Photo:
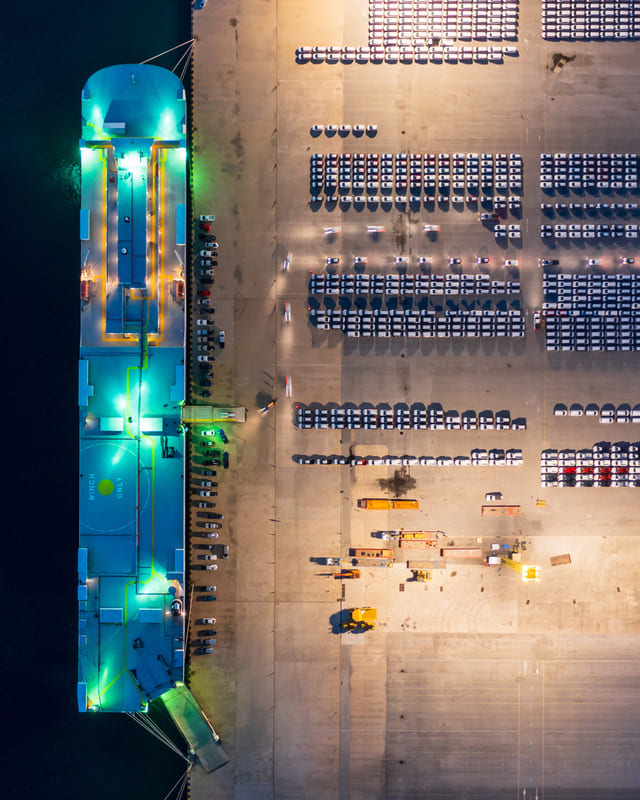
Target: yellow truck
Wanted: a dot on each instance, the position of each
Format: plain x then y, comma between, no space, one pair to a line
360,619
381,504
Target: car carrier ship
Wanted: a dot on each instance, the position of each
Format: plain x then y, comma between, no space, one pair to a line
131,566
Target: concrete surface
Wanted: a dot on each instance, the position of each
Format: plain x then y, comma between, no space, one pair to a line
473,685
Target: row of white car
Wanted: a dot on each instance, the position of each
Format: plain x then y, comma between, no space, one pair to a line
592,344
569,27
477,458
601,453
401,200
418,417
577,231
593,334
406,54
608,413
603,279
579,208
394,284
344,129
416,325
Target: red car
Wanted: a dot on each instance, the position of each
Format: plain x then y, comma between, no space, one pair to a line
204,293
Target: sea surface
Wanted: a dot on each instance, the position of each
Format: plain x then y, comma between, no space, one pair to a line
48,749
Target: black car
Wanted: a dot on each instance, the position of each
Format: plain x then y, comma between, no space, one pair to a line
222,550
205,393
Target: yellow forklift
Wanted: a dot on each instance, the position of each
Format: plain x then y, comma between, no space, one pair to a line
421,575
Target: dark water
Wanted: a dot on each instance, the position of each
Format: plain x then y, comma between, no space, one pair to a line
48,51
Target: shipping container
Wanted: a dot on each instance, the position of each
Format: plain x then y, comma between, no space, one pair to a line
381,504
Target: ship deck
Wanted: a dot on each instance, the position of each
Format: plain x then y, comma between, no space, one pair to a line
130,389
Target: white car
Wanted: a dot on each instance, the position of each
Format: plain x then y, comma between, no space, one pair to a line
287,312
207,218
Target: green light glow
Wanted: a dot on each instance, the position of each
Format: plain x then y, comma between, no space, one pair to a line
96,122
117,458
120,402
167,124
156,584
133,162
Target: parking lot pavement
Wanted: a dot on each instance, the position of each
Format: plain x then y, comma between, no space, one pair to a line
474,683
